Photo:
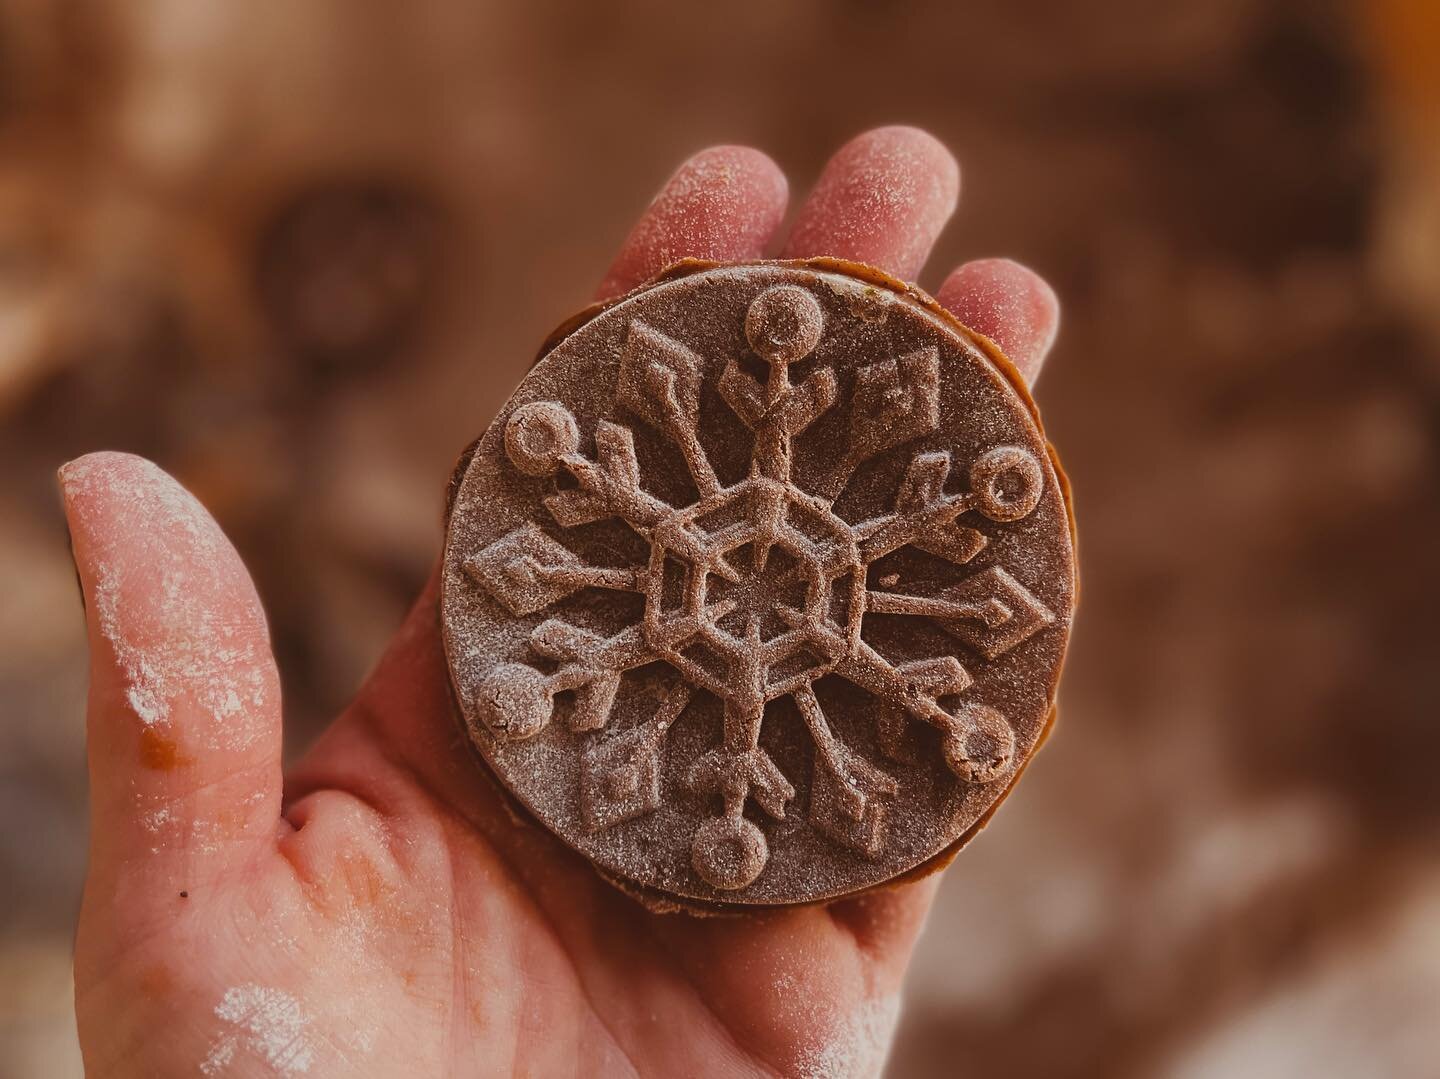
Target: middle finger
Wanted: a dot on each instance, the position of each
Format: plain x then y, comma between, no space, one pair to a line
882,199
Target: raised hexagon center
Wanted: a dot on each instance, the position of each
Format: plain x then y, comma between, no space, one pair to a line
711,592
768,583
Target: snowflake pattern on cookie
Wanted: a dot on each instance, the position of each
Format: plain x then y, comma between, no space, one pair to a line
757,588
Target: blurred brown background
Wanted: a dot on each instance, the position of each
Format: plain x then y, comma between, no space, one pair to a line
298,252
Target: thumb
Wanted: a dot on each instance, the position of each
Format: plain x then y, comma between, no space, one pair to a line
183,727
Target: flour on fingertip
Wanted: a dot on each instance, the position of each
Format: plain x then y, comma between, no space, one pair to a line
154,596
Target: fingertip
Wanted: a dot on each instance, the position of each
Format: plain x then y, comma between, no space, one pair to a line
927,156
83,478
883,199
724,203
136,531
767,180
1010,304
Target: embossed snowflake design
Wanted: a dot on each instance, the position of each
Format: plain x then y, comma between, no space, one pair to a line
757,589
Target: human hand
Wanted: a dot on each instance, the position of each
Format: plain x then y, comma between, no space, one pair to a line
377,910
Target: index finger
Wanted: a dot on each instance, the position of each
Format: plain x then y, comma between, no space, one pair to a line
724,204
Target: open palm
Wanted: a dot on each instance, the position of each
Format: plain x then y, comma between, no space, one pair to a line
377,910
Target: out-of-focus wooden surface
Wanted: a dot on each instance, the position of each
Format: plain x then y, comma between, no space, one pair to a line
298,253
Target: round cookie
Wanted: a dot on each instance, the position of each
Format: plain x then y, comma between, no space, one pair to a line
757,590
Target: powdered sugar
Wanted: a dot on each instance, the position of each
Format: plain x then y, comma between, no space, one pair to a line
265,1024
159,598
158,819
855,1050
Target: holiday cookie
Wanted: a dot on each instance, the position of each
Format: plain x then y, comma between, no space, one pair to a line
756,591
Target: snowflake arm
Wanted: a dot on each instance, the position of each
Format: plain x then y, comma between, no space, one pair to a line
616,579
894,401
738,776
977,742
991,612
527,570
660,383
783,327
517,701
871,671
922,510
609,486
620,776
854,773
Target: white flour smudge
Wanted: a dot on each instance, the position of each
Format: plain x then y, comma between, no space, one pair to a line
173,643
158,819
262,1023
856,1050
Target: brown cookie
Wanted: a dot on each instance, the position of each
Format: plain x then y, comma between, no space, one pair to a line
757,590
